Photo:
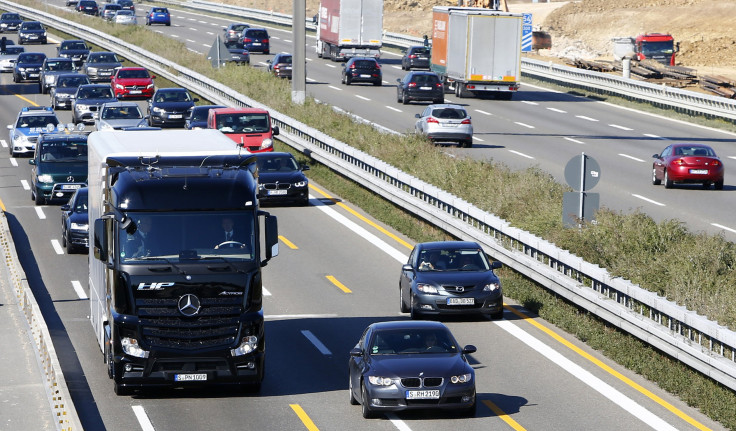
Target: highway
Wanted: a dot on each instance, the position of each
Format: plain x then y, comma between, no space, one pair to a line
529,375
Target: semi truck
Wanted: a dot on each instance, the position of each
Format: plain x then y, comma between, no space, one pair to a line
173,302
660,47
477,51
349,28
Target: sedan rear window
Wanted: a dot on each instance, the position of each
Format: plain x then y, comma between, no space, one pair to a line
449,113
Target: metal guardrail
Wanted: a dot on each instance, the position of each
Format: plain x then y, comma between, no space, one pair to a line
702,344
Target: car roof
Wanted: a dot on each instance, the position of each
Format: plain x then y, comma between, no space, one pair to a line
408,324
59,59
70,74
447,105
36,110
441,245
132,68
209,106
240,110
421,72
72,41
61,137
120,104
268,154
94,85
171,90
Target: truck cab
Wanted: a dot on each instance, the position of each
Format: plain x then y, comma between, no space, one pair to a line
249,127
656,46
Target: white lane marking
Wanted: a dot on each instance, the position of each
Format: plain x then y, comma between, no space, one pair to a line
398,423
478,139
285,40
483,112
394,109
334,88
206,44
202,22
78,288
175,35
142,417
529,103
627,404
583,117
648,200
631,157
574,140
330,65
318,344
193,29
210,33
732,157
649,135
13,162
3,143
720,226
265,292
191,41
524,125
620,127
311,80
274,37
521,154
557,110
25,185
57,246
298,316
360,231
361,97
39,212
396,67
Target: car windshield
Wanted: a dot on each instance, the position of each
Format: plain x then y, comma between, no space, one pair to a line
259,34
200,114
71,82
59,65
10,17
121,113
32,26
365,64
411,341
80,205
239,27
36,121
243,123
286,59
420,51
74,45
159,10
31,58
270,163
135,73
124,13
63,151
172,96
187,236
449,113
452,260
103,58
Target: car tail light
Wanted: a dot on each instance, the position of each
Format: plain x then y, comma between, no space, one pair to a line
432,120
352,66
466,121
247,40
265,41
679,162
413,56
715,163
438,85
412,84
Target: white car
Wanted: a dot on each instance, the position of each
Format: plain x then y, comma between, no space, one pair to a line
125,16
8,57
445,123
119,115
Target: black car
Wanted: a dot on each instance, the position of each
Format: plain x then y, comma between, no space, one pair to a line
9,21
450,277
101,66
126,4
31,32
169,107
59,166
281,179
280,65
197,118
234,31
359,69
238,54
65,90
75,49
108,10
420,86
88,7
28,66
416,57
88,100
51,69
255,40
405,365
75,222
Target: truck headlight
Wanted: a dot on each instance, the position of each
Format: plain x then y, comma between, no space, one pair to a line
45,178
247,345
131,347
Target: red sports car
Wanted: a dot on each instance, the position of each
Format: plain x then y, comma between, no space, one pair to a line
132,82
688,163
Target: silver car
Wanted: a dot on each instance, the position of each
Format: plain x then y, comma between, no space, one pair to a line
8,57
124,16
445,123
119,115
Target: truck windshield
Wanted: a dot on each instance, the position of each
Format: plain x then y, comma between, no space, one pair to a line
243,123
653,48
63,151
186,237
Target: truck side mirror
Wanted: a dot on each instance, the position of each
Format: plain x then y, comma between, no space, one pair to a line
100,239
272,238
677,47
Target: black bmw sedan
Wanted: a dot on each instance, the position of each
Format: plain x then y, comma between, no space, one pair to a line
281,178
409,365
450,277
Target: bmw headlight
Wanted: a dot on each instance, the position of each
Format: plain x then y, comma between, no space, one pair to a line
300,184
80,226
267,143
462,378
426,288
81,107
131,347
380,381
45,178
491,287
247,345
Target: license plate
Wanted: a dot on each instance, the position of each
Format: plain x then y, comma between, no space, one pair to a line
423,395
175,116
276,192
70,186
33,75
256,44
190,377
699,171
450,125
365,76
425,88
106,73
460,301
34,37
135,91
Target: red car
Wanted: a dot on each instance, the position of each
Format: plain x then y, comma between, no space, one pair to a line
132,82
688,163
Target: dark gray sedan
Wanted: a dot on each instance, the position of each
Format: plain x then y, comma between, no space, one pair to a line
62,94
450,277
88,100
101,66
409,365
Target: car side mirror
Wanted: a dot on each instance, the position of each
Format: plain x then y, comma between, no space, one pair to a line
356,352
275,130
496,265
398,80
407,267
65,207
417,116
195,99
469,349
305,167
31,161
656,156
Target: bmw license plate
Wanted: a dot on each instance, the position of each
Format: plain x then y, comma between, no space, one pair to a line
423,395
276,192
460,301
190,377
699,171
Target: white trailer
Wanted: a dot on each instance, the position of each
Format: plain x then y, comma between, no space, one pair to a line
349,28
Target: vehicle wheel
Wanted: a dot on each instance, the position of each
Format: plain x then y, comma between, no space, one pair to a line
404,99
469,412
168,24
71,248
41,88
20,42
353,400
468,143
656,181
63,239
15,78
402,304
414,314
38,197
348,81
267,52
437,101
667,181
497,316
718,185
378,83
398,96
706,185
366,410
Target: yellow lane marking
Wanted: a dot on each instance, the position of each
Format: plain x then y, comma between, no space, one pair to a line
338,284
27,100
501,414
356,214
608,369
288,243
2,205
303,416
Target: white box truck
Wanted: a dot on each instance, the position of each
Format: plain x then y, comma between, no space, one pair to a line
477,51
172,302
349,28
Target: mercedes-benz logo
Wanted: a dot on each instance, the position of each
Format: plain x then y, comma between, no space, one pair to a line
459,289
189,305
70,179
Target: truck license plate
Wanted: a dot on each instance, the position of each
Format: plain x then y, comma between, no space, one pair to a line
190,377
423,395
460,301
